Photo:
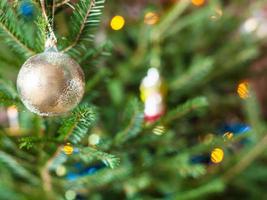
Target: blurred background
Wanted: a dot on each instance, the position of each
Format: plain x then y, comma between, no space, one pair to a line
178,88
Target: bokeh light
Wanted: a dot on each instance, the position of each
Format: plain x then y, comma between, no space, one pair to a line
68,149
117,22
243,90
94,139
198,2
151,18
159,130
217,155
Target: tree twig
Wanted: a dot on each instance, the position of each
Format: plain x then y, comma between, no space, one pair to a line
92,4
30,51
62,3
51,40
247,159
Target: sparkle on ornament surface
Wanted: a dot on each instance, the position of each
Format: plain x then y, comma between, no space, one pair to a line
70,195
158,130
117,22
198,2
61,170
151,18
217,155
243,90
94,139
152,77
68,149
250,25
153,105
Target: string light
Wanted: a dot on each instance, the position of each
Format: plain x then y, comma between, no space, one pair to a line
68,149
217,155
117,22
243,90
70,195
61,170
12,114
94,139
228,135
151,18
198,2
159,130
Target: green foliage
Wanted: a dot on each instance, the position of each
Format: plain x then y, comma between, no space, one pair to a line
186,108
11,32
134,126
16,168
76,126
199,70
89,153
83,23
8,93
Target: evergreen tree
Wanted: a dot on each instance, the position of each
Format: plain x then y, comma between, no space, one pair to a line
207,142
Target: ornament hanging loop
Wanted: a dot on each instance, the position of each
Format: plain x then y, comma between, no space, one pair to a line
51,43
51,40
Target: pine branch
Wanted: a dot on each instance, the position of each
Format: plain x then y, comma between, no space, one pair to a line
186,108
102,177
16,168
191,78
8,93
88,153
10,30
135,124
75,127
85,18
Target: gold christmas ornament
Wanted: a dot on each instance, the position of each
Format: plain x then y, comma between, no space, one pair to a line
50,83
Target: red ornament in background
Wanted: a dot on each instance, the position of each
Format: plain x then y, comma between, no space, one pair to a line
152,94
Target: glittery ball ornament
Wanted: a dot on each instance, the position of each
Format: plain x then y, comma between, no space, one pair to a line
50,83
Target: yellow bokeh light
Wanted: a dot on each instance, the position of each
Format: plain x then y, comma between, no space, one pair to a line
68,149
228,135
243,90
217,155
117,22
218,13
159,130
198,2
151,18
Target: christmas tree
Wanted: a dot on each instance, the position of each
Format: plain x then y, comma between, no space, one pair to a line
147,99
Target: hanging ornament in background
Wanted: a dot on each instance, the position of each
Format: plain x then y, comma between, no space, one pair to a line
152,94
50,83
